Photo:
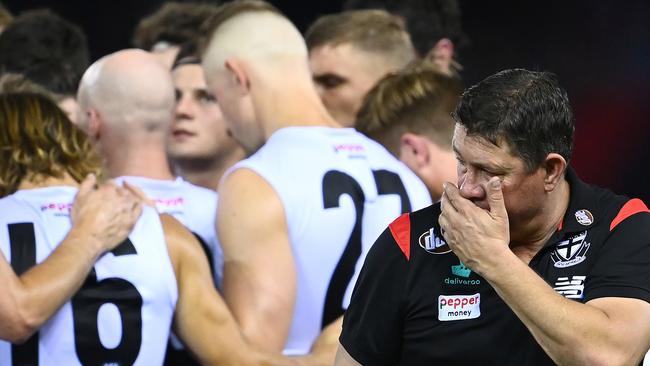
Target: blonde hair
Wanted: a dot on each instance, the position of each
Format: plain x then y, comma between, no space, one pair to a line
418,99
37,140
375,31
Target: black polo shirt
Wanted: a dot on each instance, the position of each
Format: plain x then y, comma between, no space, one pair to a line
415,303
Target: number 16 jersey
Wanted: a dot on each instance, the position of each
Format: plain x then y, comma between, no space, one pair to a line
122,313
339,191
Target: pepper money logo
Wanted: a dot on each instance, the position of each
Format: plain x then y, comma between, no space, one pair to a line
433,243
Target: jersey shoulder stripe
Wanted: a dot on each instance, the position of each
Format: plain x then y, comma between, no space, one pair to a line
401,231
630,208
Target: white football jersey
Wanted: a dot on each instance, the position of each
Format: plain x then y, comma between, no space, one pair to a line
122,313
340,190
194,206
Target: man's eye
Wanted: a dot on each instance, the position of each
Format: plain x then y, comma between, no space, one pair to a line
207,98
329,81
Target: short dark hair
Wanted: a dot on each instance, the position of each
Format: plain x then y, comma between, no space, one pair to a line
528,110
175,23
46,49
427,21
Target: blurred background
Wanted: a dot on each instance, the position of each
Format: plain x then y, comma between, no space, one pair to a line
599,49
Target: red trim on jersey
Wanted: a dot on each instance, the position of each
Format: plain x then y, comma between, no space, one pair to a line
630,208
401,230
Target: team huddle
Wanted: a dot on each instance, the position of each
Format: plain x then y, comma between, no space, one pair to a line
239,199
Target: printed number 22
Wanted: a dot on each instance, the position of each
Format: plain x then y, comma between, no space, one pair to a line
85,307
335,184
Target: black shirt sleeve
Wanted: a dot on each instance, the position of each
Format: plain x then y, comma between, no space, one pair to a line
623,265
372,326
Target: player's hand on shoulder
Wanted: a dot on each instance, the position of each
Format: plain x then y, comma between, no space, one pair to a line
105,214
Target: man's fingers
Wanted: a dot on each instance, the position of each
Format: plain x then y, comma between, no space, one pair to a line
88,184
139,194
495,199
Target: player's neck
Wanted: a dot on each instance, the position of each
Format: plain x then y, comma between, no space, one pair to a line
41,181
292,103
540,229
141,161
205,172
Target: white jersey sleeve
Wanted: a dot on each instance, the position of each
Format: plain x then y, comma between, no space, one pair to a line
122,313
339,190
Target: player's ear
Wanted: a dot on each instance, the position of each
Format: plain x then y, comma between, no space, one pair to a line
414,151
237,75
554,167
94,125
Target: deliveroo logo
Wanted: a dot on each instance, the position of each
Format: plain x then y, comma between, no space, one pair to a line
460,270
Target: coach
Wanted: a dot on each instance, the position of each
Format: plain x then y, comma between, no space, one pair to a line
520,264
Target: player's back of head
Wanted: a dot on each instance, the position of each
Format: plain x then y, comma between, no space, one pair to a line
254,31
37,140
47,49
131,90
419,99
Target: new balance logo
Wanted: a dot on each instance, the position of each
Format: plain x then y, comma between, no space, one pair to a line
570,288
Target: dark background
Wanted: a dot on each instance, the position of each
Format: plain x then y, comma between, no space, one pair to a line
599,49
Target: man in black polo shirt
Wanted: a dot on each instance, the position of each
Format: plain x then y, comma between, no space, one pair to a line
521,264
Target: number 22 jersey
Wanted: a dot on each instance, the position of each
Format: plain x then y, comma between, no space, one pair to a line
122,313
339,190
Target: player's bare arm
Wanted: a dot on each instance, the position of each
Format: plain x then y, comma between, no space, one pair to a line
603,331
29,300
343,358
203,320
259,271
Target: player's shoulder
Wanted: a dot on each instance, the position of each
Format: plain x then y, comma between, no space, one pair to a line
198,193
418,228
12,208
604,207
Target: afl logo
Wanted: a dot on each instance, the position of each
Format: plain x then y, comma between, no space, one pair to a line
584,217
432,243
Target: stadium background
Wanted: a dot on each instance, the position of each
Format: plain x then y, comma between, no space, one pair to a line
599,49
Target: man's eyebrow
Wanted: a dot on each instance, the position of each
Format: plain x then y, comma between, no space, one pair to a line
485,166
327,75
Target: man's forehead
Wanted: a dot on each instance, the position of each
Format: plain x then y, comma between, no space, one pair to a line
462,140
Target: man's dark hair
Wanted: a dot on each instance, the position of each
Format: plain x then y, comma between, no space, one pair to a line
174,23
427,21
528,110
46,49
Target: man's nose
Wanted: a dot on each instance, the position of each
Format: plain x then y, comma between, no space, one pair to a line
472,187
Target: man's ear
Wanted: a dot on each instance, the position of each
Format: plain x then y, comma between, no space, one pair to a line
554,167
442,54
414,151
94,123
237,76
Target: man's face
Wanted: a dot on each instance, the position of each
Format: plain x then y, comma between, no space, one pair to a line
237,108
479,160
198,130
343,75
